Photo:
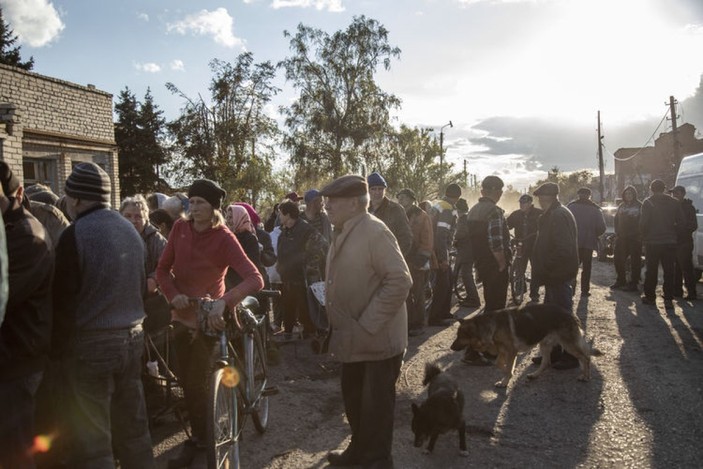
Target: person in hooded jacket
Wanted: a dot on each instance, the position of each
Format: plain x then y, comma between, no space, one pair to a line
683,267
628,240
590,224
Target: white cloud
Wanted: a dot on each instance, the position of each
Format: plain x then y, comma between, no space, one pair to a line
143,16
217,23
35,22
177,65
329,5
149,67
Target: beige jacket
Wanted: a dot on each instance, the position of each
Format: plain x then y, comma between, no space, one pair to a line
367,285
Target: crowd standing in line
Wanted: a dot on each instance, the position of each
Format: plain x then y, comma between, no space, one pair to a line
80,295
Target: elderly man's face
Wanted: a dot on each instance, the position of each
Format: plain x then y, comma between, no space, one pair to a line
341,209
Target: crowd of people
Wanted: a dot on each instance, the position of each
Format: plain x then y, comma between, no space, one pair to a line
83,283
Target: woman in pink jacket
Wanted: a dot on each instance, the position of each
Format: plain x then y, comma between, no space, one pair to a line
200,249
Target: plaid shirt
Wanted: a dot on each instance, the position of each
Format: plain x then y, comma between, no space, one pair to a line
496,230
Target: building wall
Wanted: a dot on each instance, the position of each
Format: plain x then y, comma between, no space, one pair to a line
48,125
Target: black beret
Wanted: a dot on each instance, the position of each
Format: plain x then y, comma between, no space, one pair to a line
208,190
492,182
350,185
548,188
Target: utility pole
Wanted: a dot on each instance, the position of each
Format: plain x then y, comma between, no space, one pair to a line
441,154
674,135
466,180
601,186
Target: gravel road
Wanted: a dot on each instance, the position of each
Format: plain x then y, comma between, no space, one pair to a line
642,408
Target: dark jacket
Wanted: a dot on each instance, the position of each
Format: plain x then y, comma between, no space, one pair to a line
250,246
690,222
393,215
301,254
589,222
627,220
155,244
268,255
444,224
661,219
478,221
25,335
525,225
462,241
321,223
555,256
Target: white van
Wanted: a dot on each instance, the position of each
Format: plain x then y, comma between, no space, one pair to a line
691,177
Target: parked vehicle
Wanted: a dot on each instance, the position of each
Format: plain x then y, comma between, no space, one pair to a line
690,176
606,241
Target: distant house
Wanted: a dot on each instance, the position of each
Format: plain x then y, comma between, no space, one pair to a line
639,166
49,125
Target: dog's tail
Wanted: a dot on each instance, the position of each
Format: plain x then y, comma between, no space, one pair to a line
431,370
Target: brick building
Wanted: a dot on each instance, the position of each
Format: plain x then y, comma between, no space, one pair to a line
639,166
49,125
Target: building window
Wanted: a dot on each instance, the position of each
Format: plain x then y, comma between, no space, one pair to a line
40,171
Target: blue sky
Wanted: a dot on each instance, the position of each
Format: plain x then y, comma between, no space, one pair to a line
521,80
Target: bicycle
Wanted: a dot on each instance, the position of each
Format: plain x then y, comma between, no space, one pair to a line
518,280
238,385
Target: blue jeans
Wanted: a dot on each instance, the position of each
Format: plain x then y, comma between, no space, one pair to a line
560,294
17,421
104,404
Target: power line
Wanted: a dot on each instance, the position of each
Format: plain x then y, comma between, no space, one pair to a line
645,144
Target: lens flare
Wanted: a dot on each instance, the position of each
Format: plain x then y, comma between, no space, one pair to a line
230,376
42,444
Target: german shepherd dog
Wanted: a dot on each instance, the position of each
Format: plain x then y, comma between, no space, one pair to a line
506,332
441,412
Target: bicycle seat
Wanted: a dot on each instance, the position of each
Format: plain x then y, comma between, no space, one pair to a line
252,304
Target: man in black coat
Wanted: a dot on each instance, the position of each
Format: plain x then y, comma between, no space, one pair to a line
25,335
628,241
683,267
525,222
660,221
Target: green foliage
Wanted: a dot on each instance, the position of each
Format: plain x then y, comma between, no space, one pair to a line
569,183
340,108
230,140
139,133
10,55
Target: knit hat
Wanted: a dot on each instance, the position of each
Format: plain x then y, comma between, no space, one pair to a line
41,193
311,195
9,181
208,190
376,180
89,181
453,190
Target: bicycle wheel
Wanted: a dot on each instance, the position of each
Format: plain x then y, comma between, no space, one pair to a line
222,416
256,376
517,284
458,283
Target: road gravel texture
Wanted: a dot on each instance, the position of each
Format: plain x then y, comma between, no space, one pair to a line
643,407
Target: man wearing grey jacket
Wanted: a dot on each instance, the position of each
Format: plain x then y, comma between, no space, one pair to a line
100,282
590,224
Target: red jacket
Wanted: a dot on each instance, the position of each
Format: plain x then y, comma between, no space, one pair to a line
195,263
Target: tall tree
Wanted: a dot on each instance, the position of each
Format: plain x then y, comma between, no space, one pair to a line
9,53
231,139
139,133
340,106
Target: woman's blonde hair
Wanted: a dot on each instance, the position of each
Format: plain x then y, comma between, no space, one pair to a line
218,219
137,201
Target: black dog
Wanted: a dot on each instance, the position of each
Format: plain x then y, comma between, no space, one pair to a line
441,412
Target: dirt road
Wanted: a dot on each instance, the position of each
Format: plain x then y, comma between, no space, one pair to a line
642,408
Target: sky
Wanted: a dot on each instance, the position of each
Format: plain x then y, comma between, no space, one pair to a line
521,81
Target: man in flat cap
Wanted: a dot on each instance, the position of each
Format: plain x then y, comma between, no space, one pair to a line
419,259
683,267
25,334
367,284
555,259
660,221
389,212
99,285
444,221
590,225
